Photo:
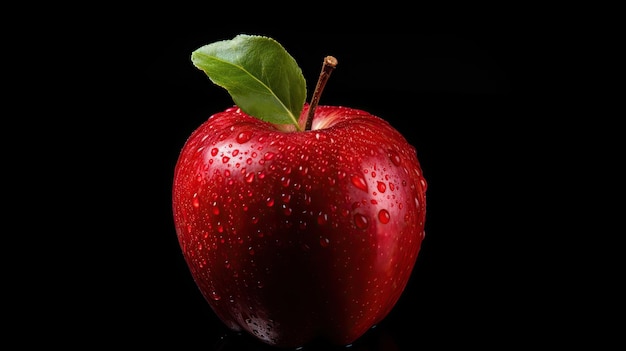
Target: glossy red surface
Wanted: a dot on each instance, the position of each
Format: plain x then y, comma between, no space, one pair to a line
296,236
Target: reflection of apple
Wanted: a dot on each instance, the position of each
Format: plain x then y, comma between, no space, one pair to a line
294,236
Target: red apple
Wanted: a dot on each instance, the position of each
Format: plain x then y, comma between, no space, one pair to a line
299,235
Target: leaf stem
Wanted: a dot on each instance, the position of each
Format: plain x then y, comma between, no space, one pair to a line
328,66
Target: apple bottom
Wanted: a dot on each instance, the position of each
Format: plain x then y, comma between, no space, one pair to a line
304,295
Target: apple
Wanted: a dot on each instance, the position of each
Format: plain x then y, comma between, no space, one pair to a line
298,222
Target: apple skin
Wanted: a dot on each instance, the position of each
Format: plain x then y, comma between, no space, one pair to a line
299,236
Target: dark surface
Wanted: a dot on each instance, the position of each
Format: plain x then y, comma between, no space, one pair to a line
465,94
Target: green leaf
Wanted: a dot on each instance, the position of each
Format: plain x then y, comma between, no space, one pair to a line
262,78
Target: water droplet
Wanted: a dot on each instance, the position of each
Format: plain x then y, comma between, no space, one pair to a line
216,210
286,197
395,158
381,187
322,218
225,159
269,202
359,182
268,156
302,225
243,137
331,181
195,202
215,296
360,221
249,177
235,152
285,181
251,250
324,242
214,151
383,216
287,210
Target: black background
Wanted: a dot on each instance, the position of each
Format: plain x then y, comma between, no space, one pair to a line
472,91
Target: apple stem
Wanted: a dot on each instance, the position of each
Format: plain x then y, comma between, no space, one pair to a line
328,66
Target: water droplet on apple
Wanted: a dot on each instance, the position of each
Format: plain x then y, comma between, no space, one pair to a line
383,216
322,218
249,177
244,137
360,221
269,202
214,151
285,181
381,187
215,296
268,156
225,159
331,181
287,210
324,242
285,197
395,158
195,202
302,225
359,182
